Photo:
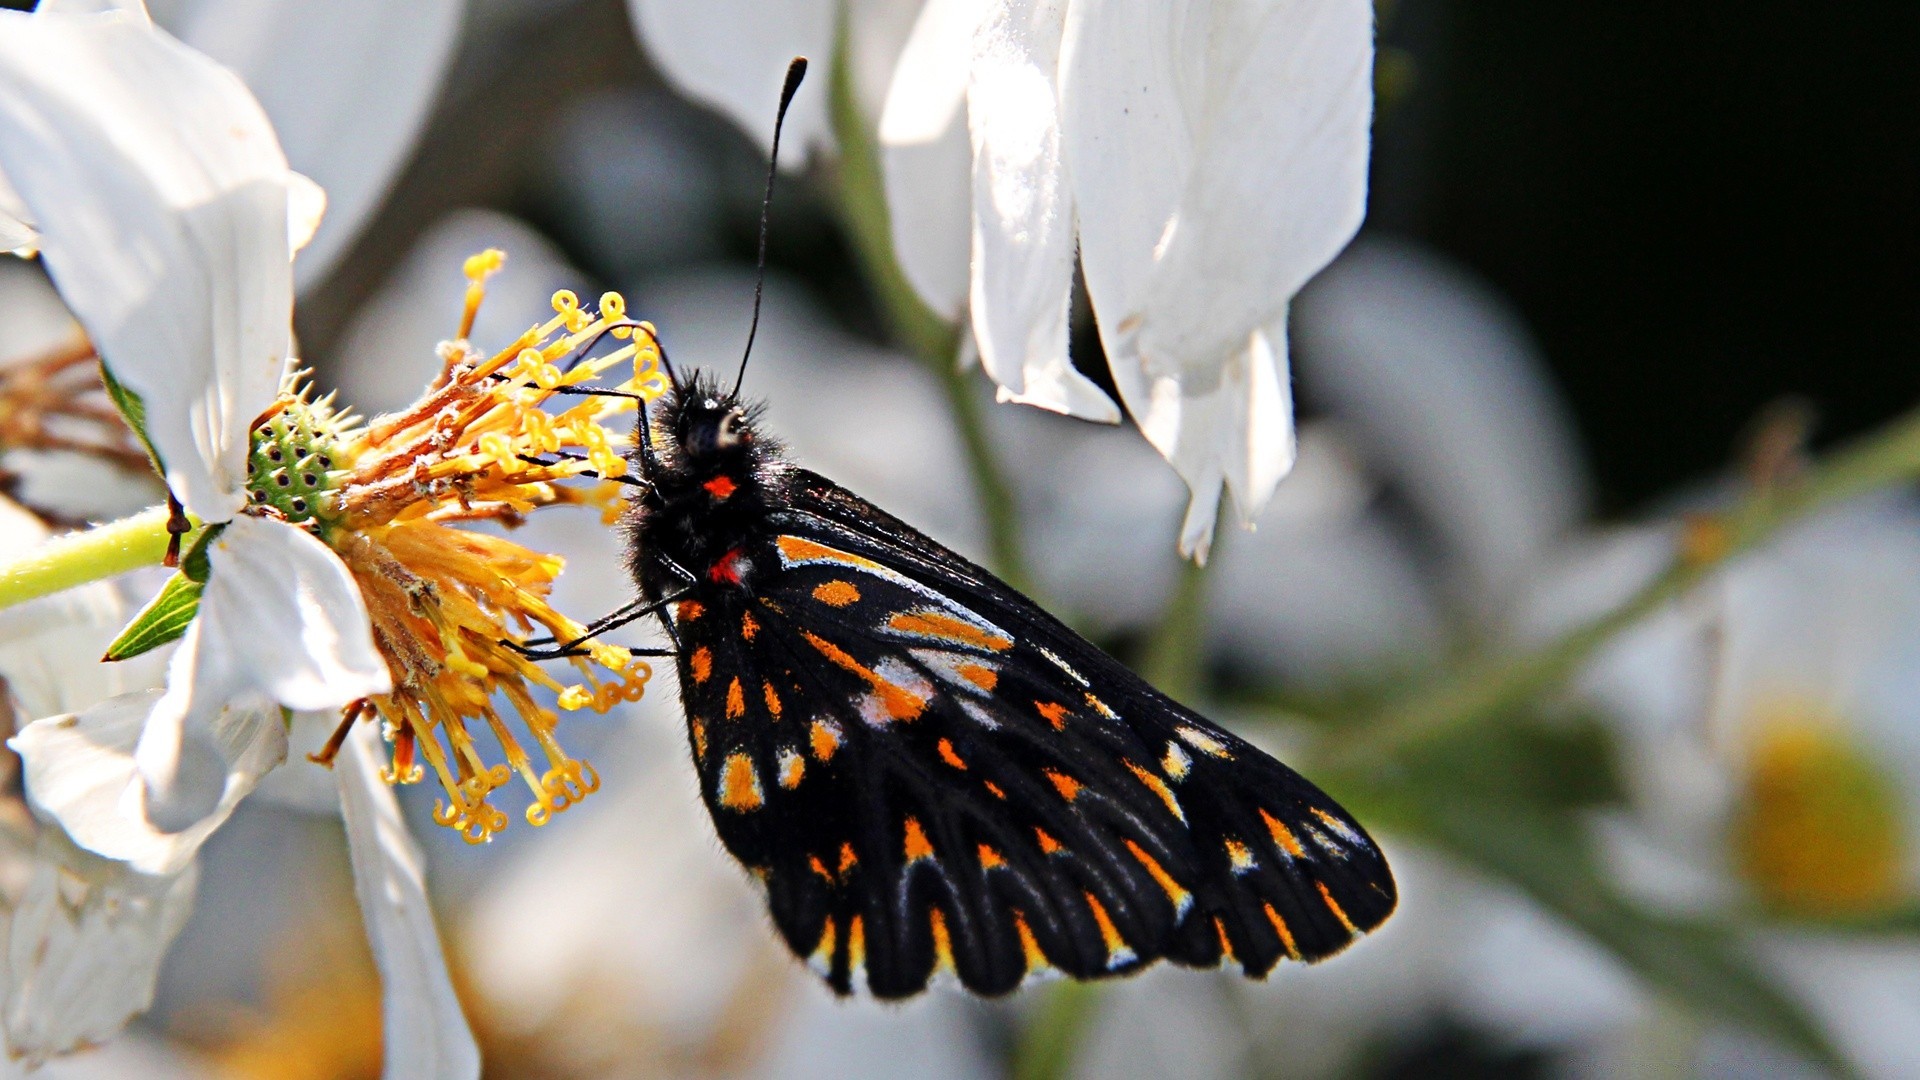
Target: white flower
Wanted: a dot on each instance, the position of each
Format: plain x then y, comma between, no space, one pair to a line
1771,740
83,935
1203,161
167,216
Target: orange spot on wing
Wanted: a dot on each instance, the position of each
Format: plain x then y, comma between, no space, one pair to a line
689,610
823,952
739,784
836,593
1180,896
701,664
1283,836
1029,945
821,869
1054,712
793,769
1118,951
1048,845
1158,787
900,703
773,699
917,847
990,858
748,627
848,860
1239,856
1280,927
1101,707
995,789
1226,943
720,487
856,945
947,755
1067,786
799,549
699,731
942,942
983,677
1334,906
736,701
943,627
826,739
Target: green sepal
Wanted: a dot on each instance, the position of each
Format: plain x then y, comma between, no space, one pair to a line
133,411
164,619
167,615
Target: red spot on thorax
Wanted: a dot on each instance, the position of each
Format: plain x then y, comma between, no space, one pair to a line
720,487
726,569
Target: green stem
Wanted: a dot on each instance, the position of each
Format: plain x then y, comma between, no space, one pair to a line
1889,456
862,203
1049,1042
1176,656
74,559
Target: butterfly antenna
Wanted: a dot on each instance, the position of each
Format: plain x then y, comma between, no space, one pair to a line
796,71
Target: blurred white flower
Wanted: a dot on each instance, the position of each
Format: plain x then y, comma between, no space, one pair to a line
348,85
84,935
1202,162
1770,731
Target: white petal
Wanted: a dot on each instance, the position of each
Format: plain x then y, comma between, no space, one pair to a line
80,769
925,154
1279,181
17,234
281,622
306,206
132,9
85,947
1218,157
348,84
1238,430
161,196
1023,246
426,1034
733,56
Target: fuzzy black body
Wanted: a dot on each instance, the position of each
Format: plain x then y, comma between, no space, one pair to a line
930,774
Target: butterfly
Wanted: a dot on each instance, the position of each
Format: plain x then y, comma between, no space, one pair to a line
929,774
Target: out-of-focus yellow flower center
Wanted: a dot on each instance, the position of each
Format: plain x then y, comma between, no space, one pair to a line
1820,831
442,598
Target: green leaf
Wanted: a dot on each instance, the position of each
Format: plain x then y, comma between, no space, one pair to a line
164,619
133,410
195,564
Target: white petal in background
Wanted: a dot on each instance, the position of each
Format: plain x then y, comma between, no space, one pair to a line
926,154
1437,375
79,770
1023,213
281,623
348,85
85,946
732,55
426,1034
161,196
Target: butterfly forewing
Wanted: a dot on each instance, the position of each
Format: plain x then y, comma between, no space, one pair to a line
929,773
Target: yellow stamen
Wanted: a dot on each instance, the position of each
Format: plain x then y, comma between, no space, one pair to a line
441,599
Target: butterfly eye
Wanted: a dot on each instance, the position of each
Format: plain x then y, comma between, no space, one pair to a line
732,430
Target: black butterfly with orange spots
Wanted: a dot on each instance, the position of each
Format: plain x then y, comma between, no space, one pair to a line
928,773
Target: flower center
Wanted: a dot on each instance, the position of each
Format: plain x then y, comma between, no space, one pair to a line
391,499
1820,831
296,459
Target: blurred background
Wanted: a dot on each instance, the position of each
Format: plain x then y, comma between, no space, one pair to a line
1623,264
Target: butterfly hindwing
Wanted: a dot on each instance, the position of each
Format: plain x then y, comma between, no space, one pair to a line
929,773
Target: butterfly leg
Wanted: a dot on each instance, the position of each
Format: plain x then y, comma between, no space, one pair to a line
636,610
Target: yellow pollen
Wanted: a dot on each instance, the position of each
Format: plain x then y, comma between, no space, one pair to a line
1820,830
491,440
